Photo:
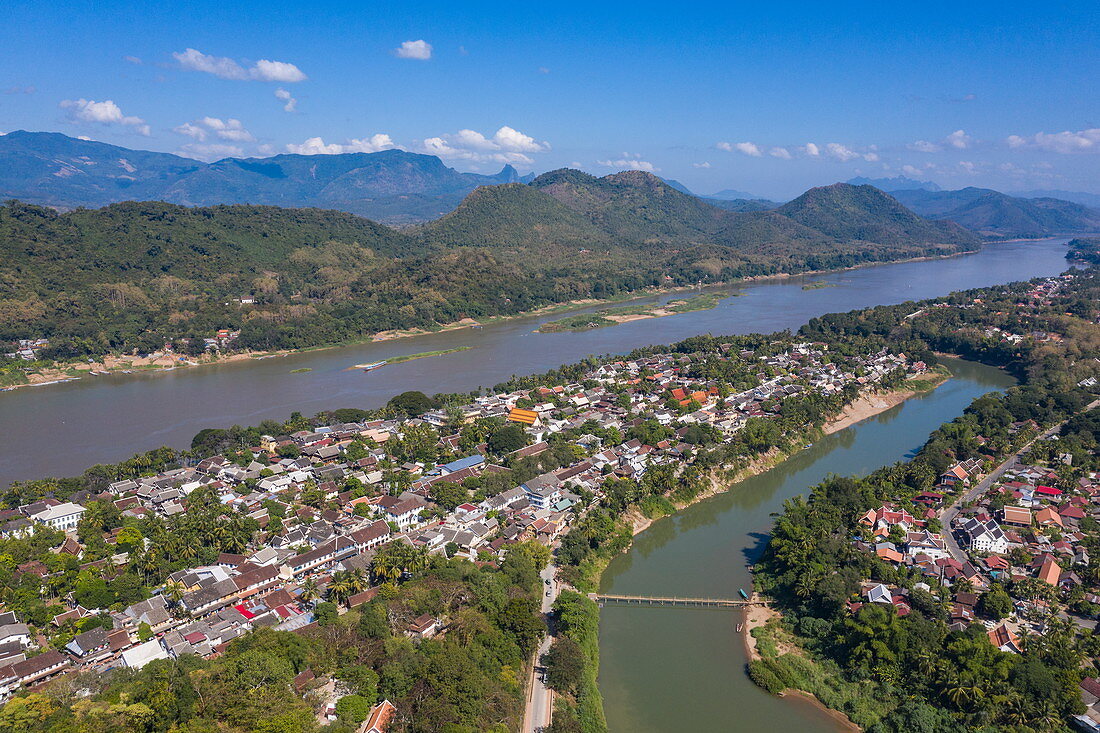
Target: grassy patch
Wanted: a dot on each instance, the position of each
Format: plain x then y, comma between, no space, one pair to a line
425,354
300,371
818,285
606,316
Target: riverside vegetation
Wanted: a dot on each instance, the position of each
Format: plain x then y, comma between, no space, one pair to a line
133,277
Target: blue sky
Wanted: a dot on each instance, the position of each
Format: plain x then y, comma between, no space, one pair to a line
769,98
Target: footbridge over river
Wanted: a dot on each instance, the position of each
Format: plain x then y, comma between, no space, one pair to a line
676,601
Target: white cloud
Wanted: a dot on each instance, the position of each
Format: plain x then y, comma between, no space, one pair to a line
227,68
544,70
200,129
289,102
104,113
190,131
924,146
507,145
958,140
132,60
781,153
419,50
317,146
628,164
704,164
210,151
968,167
746,147
281,71
811,150
841,152
1065,142
871,157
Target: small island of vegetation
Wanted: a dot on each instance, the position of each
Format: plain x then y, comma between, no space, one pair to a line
624,314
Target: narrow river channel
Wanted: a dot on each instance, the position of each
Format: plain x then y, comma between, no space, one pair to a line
667,670
59,430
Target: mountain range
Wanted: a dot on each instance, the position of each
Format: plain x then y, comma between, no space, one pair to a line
400,188
895,183
392,186
997,215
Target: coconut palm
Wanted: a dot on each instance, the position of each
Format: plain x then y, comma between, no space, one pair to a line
309,590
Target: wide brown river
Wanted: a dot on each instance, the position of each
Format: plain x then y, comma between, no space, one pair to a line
61,429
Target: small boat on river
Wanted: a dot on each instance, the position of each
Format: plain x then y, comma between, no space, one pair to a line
744,595
371,366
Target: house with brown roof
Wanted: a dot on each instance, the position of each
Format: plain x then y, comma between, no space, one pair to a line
1050,572
1004,639
424,627
379,719
1016,515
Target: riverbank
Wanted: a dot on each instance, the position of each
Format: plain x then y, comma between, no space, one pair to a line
862,408
873,403
759,617
164,363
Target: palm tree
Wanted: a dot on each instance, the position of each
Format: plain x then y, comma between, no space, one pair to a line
174,590
339,588
385,569
309,590
356,580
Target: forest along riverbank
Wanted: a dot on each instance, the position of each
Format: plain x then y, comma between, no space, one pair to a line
673,669
109,418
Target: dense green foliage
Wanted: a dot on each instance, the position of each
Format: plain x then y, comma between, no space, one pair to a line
469,680
1084,249
134,276
579,709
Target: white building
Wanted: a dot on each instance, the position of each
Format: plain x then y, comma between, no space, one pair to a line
984,536
63,516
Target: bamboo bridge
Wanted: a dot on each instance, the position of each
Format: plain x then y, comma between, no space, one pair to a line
675,601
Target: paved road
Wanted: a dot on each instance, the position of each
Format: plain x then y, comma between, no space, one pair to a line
540,698
949,514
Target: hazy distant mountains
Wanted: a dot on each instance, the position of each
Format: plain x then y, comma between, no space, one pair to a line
392,186
1092,200
897,183
401,188
995,214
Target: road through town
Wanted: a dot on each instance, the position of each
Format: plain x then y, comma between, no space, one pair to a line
540,698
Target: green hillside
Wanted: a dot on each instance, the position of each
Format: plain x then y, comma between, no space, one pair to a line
135,275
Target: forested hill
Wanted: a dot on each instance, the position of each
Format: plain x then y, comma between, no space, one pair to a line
136,275
638,211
